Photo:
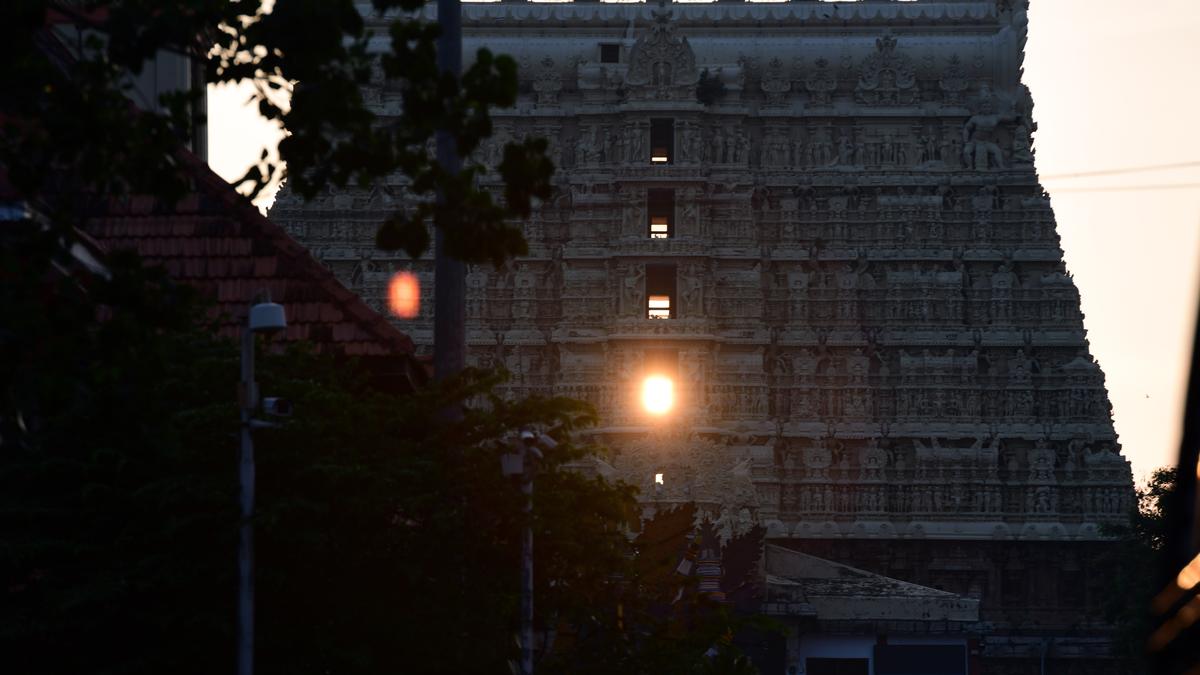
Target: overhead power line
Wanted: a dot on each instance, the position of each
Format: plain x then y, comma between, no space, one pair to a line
1115,172
1128,188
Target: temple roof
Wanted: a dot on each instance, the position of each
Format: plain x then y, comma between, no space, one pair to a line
799,584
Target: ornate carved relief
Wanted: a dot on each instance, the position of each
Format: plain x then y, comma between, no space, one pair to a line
547,82
715,476
821,83
836,275
887,77
981,150
953,82
776,82
661,63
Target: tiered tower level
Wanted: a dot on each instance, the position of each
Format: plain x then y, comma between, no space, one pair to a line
874,336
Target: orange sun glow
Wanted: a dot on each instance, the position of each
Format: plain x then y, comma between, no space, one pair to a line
404,295
658,394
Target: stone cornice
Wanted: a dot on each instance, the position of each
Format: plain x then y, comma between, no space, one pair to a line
746,14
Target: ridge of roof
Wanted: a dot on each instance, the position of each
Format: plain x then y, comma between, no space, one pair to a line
805,567
285,245
215,240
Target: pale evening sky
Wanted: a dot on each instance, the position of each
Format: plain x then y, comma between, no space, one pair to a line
1115,87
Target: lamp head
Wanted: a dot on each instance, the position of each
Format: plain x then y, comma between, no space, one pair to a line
266,317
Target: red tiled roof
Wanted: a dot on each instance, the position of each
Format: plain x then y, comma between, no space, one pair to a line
217,242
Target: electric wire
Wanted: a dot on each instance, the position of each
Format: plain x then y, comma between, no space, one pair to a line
1127,188
1115,172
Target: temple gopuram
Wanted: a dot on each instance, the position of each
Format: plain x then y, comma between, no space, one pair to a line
823,222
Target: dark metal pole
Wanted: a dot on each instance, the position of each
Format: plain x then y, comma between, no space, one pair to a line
249,397
449,294
527,567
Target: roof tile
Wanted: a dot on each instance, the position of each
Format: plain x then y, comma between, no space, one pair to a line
217,242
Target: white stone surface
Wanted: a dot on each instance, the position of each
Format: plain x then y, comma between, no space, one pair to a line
875,335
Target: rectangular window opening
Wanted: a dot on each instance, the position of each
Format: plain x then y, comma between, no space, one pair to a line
610,53
660,210
660,291
662,141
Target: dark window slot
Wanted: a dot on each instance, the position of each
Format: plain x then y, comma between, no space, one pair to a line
660,213
660,292
662,141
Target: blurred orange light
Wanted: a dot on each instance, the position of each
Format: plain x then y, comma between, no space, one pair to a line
658,394
404,295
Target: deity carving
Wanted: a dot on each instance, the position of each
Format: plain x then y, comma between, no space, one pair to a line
820,150
717,154
1022,145
691,141
887,77
797,150
692,292
804,365
902,156
583,150
547,82
981,151
818,458
1041,462
775,82
632,295
928,143
821,83
953,81
858,365
1002,284
845,149
738,143
600,147
775,148
621,144
661,63
1021,368
476,292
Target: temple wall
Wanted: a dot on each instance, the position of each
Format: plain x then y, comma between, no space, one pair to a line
878,349
871,312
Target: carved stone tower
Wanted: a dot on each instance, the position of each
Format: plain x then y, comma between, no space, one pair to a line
823,221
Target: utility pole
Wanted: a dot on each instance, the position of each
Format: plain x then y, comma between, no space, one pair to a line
449,280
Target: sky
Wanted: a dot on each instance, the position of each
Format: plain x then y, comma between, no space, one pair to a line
1115,87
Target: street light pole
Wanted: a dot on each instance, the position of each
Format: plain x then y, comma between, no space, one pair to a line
248,401
263,317
522,462
527,566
